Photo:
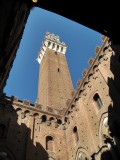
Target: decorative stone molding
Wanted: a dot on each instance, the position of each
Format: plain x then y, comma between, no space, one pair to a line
90,76
85,84
95,68
51,42
100,59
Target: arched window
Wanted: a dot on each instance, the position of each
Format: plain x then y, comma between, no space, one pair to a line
97,101
75,131
49,143
43,118
2,131
59,121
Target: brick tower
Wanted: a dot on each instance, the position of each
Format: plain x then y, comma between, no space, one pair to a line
55,85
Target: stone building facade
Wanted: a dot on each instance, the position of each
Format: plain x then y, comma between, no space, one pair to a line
66,124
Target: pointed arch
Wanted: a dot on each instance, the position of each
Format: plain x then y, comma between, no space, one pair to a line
49,143
75,132
82,154
98,101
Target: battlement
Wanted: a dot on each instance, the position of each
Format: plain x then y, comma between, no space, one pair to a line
87,74
24,109
52,42
33,107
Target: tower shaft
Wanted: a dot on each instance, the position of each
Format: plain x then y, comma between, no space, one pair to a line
55,85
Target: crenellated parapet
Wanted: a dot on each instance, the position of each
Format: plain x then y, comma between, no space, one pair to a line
85,84
91,61
51,42
37,107
97,49
25,109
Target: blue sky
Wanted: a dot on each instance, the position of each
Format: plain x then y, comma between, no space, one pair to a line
81,42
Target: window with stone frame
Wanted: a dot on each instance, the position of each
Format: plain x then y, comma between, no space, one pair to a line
76,136
98,101
49,143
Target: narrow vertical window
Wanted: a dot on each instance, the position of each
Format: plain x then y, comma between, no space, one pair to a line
49,44
57,47
75,131
53,46
98,101
39,128
61,49
49,143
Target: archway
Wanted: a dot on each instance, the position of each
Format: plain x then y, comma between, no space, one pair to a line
82,154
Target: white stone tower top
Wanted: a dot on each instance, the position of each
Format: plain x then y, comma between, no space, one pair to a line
51,42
